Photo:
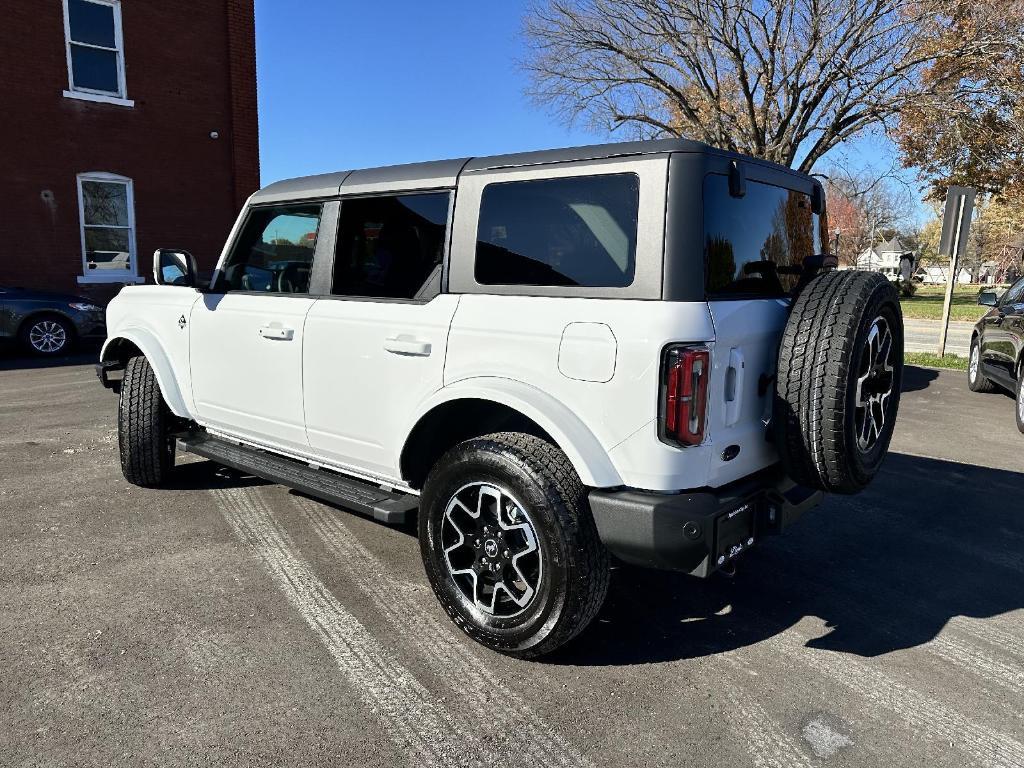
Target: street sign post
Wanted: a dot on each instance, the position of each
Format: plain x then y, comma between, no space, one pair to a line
956,226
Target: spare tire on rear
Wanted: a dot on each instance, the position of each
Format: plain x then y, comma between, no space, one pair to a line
838,383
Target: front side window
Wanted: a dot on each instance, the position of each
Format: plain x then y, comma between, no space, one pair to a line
95,49
578,231
755,244
1015,294
274,251
389,246
107,218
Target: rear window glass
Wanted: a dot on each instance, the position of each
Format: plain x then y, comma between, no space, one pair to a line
755,244
577,231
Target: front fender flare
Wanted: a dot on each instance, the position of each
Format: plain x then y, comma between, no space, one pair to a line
159,360
588,457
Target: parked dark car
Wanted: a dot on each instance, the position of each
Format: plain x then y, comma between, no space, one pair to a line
997,346
48,323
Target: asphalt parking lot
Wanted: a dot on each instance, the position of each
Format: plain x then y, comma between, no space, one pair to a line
230,622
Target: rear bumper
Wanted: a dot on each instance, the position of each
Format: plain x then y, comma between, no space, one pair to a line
697,531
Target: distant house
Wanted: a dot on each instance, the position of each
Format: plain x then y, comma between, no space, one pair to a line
937,275
887,258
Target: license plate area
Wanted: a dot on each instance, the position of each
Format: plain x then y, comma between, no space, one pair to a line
734,532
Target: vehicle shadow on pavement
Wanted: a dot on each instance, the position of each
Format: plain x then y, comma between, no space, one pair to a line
885,570
14,358
916,379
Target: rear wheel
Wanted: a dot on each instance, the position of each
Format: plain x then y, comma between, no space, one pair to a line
509,545
976,379
48,335
143,427
839,378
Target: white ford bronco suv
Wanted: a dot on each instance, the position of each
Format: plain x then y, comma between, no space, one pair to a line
634,350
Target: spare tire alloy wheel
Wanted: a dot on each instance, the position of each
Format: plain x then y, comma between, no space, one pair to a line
48,336
490,547
874,385
840,372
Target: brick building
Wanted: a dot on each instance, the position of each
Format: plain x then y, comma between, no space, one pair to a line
127,125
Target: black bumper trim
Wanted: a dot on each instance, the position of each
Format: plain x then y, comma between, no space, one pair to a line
678,531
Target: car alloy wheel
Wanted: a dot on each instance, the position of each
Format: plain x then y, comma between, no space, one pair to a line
491,550
972,366
48,337
874,384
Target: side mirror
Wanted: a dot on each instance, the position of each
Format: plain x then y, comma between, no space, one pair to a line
988,298
173,266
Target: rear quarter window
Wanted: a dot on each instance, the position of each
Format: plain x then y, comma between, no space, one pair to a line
755,244
578,231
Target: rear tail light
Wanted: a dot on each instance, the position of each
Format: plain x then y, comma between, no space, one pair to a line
685,376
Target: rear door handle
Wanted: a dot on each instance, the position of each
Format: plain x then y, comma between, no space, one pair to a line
277,332
404,344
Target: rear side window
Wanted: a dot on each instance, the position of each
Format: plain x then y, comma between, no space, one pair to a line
274,252
577,231
389,246
754,245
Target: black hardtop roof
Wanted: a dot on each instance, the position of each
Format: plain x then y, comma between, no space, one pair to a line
439,174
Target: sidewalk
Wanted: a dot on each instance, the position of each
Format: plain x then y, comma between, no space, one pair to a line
923,336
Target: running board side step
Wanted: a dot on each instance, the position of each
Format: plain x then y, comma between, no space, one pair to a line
391,507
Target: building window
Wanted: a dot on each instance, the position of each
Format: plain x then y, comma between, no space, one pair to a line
106,209
95,50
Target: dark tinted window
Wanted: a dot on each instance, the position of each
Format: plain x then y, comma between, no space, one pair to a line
578,232
1015,293
388,246
752,242
274,252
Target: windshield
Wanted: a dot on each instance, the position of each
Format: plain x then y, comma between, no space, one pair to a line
755,245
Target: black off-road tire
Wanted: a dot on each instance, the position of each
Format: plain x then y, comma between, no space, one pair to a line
575,563
977,382
143,427
820,358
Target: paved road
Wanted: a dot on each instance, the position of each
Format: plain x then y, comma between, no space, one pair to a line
234,623
923,336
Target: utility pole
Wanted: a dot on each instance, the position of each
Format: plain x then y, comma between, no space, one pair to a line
956,226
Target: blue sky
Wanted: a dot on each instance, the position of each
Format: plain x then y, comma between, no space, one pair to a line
357,83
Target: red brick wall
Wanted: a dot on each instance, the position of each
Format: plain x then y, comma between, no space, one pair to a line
190,69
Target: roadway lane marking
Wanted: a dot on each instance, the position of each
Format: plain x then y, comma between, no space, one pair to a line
431,638
421,729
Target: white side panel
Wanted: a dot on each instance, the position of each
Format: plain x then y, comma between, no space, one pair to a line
150,317
519,337
368,365
246,363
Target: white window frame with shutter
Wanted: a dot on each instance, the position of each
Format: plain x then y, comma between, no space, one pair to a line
129,275
89,94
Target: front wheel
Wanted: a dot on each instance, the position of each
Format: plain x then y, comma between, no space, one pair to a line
48,336
509,545
1020,398
143,427
976,379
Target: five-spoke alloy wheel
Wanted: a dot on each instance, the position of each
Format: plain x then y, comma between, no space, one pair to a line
490,548
509,544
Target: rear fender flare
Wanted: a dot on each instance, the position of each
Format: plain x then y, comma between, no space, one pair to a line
154,352
588,457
